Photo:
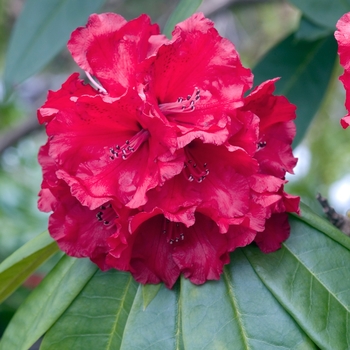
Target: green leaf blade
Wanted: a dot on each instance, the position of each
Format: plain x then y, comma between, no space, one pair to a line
295,298
47,302
184,9
99,314
237,310
305,68
22,263
310,277
156,326
322,225
323,12
311,31
40,32
149,292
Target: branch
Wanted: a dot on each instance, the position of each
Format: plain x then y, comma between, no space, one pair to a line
12,135
339,221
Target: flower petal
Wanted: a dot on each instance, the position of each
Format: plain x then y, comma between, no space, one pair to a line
110,48
198,59
276,231
203,252
151,259
64,98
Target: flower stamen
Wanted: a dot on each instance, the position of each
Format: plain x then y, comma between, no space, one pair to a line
194,170
174,231
261,144
182,105
106,215
95,84
130,146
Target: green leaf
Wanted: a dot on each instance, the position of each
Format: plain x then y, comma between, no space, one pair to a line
310,277
323,12
311,31
314,220
149,292
305,69
184,9
295,298
41,31
22,263
237,310
97,316
47,302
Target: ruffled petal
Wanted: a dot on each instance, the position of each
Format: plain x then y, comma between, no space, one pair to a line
202,253
277,137
342,36
64,98
196,78
110,48
276,129
105,153
345,121
276,231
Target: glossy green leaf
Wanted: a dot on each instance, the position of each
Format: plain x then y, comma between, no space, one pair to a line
311,31
149,292
184,9
96,319
310,277
295,298
41,31
22,263
323,12
47,302
305,69
237,310
324,226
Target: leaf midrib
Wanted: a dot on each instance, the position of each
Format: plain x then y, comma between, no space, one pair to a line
235,307
122,302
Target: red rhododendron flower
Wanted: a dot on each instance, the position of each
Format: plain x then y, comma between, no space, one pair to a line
342,36
161,166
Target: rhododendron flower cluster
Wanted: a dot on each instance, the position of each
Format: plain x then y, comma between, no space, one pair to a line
342,35
158,164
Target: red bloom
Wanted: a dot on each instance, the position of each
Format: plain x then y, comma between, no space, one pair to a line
342,36
79,231
157,249
163,167
107,149
195,79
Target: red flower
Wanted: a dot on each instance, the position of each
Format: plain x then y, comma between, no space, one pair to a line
163,167
157,249
195,79
342,36
108,149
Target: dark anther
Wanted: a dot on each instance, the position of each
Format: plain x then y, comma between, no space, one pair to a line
261,144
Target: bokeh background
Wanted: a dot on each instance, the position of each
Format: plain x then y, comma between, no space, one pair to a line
254,26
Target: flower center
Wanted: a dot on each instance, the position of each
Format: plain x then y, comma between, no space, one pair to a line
174,231
106,215
130,146
194,170
182,105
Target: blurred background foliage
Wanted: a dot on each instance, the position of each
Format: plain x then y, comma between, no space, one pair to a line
255,26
